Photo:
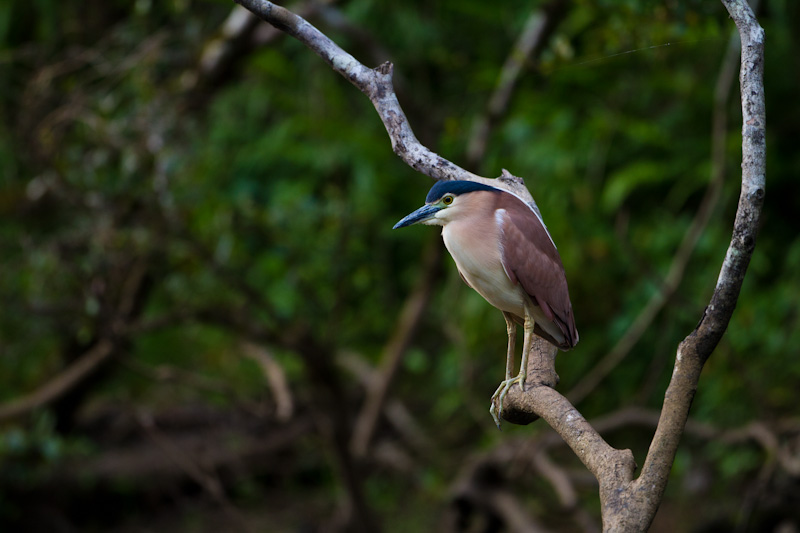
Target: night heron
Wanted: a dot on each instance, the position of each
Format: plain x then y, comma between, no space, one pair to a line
503,250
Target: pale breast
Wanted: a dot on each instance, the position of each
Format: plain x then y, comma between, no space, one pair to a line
477,255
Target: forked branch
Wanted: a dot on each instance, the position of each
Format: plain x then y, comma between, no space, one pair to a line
377,85
627,504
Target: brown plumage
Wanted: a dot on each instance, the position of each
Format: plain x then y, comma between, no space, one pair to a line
536,266
503,250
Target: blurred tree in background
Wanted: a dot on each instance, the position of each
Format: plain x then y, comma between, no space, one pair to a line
202,292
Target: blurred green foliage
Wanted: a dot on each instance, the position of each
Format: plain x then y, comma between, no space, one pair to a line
270,194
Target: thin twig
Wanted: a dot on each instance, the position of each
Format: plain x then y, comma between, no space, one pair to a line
516,518
680,261
516,454
377,390
695,350
207,480
377,85
172,374
536,30
61,384
407,426
396,413
276,377
481,493
557,478
627,505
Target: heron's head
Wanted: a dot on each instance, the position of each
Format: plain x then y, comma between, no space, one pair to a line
446,201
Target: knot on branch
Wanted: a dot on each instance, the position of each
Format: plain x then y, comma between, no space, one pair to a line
385,69
508,177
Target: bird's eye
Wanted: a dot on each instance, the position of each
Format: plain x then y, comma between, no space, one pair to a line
447,200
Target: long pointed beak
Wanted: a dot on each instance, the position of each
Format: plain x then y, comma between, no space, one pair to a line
426,212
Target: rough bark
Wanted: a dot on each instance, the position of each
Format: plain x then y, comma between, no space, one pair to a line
628,504
377,85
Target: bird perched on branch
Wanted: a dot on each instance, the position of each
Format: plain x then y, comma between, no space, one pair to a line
503,250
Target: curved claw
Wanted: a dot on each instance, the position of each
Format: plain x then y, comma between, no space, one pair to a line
495,415
496,408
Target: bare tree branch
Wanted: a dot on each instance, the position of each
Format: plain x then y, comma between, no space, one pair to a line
557,478
515,517
517,455
695,350
172,374
537,29
276,377
409,320
94,357
481,495
630,505
376,84
719,134
206,479
396,413
59,385
627,504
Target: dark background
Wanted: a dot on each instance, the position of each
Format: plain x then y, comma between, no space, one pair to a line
200,219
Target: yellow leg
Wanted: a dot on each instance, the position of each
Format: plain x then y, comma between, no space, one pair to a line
511,329
499,395
526,348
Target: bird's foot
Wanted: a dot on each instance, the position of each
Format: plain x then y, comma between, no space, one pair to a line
496,409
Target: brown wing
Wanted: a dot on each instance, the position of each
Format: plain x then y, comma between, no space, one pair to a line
530,258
